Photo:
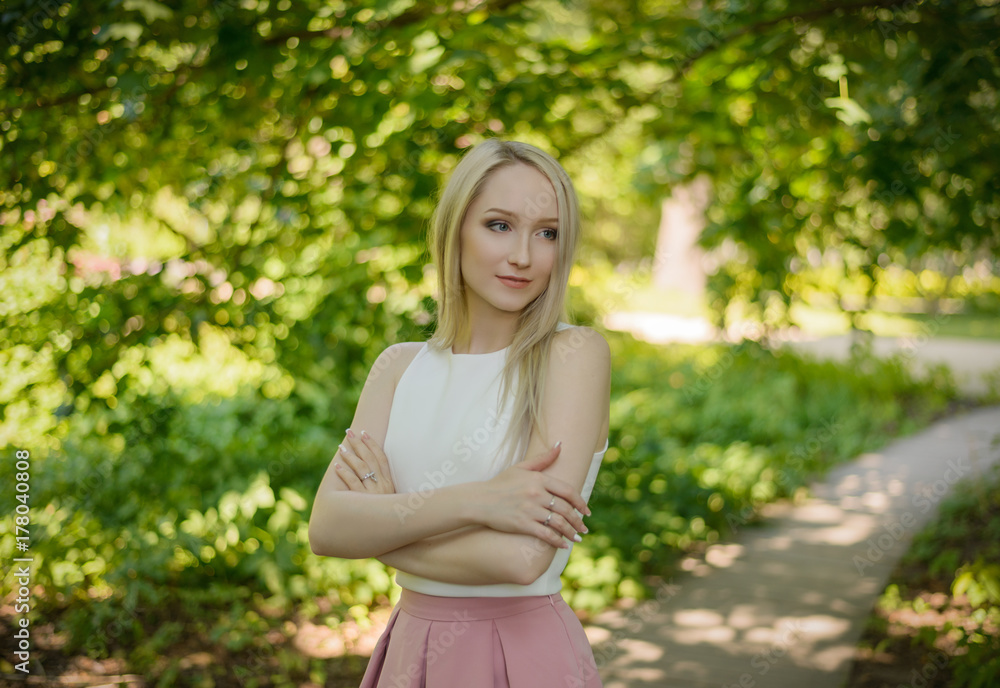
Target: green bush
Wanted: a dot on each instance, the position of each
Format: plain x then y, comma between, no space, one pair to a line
962,549
175,513
702,436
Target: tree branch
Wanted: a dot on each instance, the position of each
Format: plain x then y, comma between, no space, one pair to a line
807,16
411,16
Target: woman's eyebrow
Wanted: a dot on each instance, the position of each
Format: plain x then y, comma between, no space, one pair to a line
514,215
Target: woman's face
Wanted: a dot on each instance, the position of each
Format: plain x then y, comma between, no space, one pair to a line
508,239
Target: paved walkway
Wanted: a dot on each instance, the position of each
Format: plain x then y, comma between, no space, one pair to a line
783,605
968,359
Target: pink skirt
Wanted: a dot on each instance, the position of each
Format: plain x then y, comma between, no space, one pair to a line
482,642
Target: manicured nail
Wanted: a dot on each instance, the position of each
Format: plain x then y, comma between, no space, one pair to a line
342,448
585,530
557,444
577,538
337,465
364,434
350,433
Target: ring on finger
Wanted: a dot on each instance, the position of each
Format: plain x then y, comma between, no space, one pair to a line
370,474
552,502
547,518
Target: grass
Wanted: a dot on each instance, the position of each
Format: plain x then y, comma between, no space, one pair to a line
937,622
822,322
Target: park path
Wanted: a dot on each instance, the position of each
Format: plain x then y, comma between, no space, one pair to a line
783,605
968,359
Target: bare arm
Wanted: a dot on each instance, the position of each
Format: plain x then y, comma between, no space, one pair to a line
351,522
474,556
356,525
575,411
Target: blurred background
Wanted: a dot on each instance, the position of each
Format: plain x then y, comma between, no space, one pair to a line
214,219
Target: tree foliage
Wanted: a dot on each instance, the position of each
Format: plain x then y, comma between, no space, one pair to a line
293,150
213,193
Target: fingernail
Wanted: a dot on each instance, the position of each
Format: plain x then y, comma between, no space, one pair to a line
557,444
337,465
342,448
577,538
585,530
364,434
350,433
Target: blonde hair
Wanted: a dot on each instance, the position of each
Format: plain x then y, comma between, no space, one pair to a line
528,354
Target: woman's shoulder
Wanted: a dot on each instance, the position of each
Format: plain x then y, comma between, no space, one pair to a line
403,349
394,359
575,345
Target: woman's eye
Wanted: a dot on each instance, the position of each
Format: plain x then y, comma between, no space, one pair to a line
499,225
549,233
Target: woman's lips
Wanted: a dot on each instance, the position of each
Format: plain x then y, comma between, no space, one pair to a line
514,282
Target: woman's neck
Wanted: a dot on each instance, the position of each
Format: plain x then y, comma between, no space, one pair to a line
487,332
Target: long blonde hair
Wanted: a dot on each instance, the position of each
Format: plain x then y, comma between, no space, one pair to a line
528,354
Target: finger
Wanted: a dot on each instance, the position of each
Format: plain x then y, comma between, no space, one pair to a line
560,526
564,490
550,536
351,441
542,461
355,464
570,515
361,449
380,483
380,458
347,475
363,446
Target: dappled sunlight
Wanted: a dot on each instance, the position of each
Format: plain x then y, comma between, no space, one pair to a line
214,218
698,618
786,599
661,328
723,555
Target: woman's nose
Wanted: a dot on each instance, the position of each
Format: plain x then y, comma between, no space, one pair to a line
520,254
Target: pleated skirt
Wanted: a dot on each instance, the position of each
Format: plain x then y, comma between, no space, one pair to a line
482,642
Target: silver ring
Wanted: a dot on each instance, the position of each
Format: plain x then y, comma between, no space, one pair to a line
547,519
552,503
370,475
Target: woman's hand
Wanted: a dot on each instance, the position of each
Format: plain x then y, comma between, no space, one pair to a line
524,500
363,466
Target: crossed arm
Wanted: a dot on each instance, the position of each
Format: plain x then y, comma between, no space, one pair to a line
486,532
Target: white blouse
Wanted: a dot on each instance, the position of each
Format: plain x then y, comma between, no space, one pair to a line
445,429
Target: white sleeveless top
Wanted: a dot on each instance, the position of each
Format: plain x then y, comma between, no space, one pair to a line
445,429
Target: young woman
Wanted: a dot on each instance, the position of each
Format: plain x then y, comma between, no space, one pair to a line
471,457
